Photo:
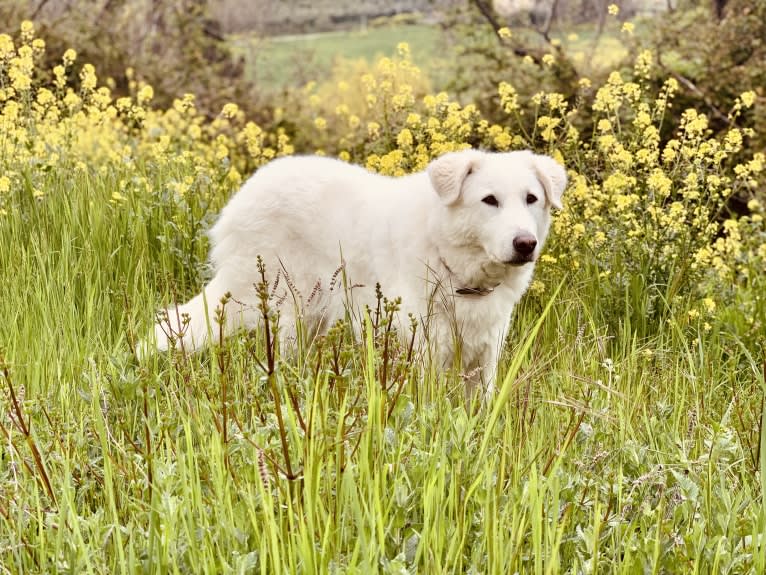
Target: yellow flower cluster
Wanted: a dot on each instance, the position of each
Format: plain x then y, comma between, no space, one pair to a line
659,204
385,117
54,121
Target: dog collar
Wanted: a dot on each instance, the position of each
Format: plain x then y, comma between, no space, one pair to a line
478,291
474,291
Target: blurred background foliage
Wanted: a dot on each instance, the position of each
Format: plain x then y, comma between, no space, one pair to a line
176,47
258,54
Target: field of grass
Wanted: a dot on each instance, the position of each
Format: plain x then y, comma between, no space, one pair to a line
626,435
601,453
294,60
278,62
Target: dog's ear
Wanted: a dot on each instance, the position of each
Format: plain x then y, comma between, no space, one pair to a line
448,172
552,176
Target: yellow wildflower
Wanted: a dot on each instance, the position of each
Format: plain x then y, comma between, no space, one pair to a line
27,30
88,77
747,98
733,140
709,304
230,110
145,94
404,139
6,46
643,63
509,98
413,119
373,129
69,57
604,125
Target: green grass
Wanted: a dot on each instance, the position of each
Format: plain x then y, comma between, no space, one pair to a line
276,62
605,450
594,53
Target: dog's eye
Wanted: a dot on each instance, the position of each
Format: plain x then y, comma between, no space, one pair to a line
531,198
490,200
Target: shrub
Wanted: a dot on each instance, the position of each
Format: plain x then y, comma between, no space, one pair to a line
175,47
715,54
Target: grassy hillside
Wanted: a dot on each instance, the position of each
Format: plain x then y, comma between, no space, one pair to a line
282,61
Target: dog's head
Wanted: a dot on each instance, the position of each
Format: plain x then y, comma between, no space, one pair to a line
498,203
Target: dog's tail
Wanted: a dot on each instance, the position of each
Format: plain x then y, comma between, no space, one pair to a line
188,327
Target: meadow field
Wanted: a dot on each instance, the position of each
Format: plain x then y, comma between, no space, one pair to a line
627,432
275,63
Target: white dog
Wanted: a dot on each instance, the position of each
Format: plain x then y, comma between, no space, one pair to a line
457,242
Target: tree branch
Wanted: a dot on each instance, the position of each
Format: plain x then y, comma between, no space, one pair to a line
693,87
489,16
37,11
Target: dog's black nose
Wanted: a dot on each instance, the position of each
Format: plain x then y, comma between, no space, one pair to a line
525,244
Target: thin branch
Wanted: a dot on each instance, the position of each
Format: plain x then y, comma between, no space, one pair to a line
693,87
489,16
37,11
25,429
549,20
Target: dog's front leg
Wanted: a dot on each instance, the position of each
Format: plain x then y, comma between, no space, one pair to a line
479,375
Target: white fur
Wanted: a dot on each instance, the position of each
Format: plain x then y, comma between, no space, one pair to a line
421,237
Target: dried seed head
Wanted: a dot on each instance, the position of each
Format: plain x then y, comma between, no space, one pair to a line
317,289
580,329
336,275
263,470
276,284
